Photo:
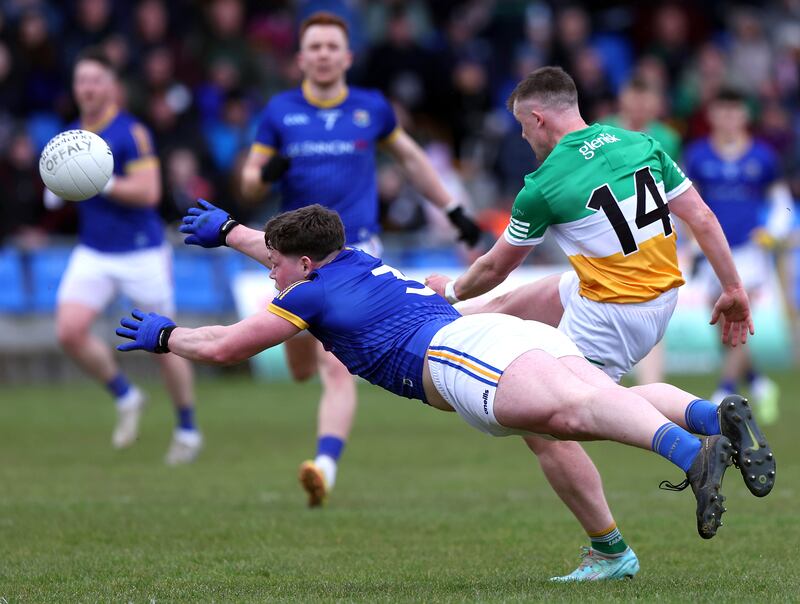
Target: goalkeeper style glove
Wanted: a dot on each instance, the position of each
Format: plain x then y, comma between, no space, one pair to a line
149,332
207,226
274,168
469,232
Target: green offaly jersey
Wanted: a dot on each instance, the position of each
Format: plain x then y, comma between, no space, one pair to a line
603,193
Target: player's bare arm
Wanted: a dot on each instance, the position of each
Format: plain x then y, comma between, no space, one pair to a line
140,187
733,303
253,187
486,273
217,345
419,170
249,242
417,167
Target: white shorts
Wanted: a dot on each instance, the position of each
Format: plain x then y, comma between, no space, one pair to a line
467,357
614,337
94,278
753,262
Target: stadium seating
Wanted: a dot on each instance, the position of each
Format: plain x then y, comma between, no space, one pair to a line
13,296
197,286
46,266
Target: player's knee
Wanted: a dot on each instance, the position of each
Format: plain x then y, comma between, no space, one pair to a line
302,372
571,418
70,336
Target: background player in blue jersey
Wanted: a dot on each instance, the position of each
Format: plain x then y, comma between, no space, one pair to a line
740,180
121,249
317,143
502,375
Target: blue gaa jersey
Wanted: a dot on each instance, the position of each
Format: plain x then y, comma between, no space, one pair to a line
735,190
332,148
375,320
109,226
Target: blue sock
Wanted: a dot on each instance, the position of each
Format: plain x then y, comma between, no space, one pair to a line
727,385
701,417
676,445
119,385
752,375
185,418
331,446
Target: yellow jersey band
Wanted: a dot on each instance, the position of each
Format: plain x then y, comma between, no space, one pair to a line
285,314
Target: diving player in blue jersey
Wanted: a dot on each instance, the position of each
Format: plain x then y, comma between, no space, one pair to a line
740,180
121,249
502,375
317,143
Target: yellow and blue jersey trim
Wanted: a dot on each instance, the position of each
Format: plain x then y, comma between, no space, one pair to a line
475,368
289,316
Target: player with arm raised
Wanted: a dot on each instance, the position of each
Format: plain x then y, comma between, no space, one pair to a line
318,143
606,195
740,180
502,375
121,250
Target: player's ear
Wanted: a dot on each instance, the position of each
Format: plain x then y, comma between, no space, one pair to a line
306,262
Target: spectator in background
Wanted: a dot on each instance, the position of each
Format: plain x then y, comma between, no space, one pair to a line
92,24
698,87
740,179
670,40
407,72
223,39
641,106
38,59
230,134
11,83
750,52
119,229
21,212
184,182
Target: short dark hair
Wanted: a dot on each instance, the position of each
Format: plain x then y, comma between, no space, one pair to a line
323,18
96,55
640,84
552,85
313,231
730,94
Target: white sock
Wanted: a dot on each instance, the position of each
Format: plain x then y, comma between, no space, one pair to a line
328,466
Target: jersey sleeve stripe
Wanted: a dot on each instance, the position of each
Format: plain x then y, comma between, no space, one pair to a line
141,163
681,188
262,149
520,223
142,140
391,136
519,241
518,231
285,314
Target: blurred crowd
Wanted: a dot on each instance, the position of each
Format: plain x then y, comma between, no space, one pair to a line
198,72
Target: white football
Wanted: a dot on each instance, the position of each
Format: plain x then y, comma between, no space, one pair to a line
76,164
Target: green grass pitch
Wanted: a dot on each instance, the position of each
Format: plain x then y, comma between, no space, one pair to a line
426,509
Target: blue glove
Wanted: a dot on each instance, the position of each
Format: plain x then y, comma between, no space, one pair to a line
149,332
207,226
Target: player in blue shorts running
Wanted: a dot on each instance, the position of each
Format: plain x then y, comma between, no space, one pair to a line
402,336
118,230
317,143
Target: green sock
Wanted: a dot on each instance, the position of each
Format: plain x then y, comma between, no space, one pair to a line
609,541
